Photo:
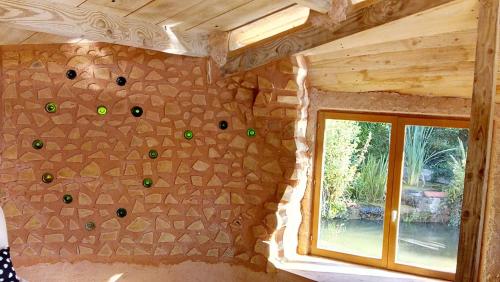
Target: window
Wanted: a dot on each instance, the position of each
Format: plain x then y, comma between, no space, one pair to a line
388,191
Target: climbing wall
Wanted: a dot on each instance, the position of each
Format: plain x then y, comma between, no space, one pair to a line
112,153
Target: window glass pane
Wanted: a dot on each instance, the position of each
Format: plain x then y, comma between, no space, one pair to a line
353,187
431,197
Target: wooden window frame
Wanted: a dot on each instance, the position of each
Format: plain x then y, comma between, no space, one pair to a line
398,125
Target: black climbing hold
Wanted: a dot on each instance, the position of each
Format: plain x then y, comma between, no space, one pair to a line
121,81
136,111
71,74
223,125
121,212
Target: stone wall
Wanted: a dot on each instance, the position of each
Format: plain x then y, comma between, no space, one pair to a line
214,198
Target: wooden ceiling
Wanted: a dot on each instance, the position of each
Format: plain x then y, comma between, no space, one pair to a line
429,53
185,15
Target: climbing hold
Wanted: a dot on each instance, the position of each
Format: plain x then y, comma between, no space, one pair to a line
47,177
147,182
121,212
188,134
37,144
67,199
223,125
89,226
71,74
121,81
136,111
102,110
51,107
251,132
153,154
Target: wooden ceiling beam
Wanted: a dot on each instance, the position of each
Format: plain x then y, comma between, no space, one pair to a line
92,24
313,33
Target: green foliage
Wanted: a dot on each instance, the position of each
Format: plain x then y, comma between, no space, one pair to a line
379,134
445,138
418,152
341,158
371,181
456,189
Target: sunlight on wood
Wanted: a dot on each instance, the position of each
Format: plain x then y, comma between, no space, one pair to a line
268,26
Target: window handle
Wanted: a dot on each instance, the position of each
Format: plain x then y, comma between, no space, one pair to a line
394,215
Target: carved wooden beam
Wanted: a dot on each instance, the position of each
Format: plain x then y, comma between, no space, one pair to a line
91,24
322,6
218,47
336,9
481,138
311,34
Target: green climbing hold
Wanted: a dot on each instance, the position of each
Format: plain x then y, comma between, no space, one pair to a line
51,107
37,144
67,199
102,110
251,132
188,134
153,154
147,182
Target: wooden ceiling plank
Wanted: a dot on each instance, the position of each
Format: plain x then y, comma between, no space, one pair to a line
444,69
310,36
245,14
200,13
63,20
119,7
480,142
160,10
454,39
389,60
397,85
74,3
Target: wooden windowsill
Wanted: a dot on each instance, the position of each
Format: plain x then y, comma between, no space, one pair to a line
322,269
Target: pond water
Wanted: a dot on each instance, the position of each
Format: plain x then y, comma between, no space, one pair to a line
427,245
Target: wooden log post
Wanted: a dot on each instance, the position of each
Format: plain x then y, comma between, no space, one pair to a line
480,141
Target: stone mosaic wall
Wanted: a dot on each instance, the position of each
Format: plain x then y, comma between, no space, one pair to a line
214,197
